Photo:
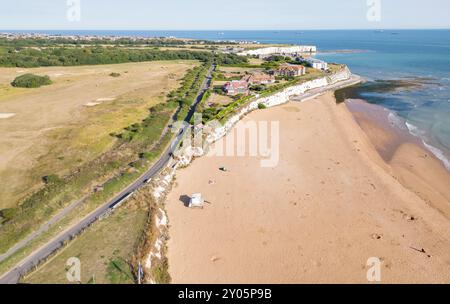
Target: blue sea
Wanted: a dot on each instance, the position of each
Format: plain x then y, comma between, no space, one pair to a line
376,55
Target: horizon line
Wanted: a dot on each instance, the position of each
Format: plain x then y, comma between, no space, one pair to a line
234,30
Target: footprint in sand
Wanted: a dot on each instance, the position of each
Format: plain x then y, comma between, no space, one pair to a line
406,216
409,218
316,263
214,259
377,236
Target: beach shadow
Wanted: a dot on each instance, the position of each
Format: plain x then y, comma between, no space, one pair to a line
185,200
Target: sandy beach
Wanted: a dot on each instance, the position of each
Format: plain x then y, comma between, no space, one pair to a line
333,201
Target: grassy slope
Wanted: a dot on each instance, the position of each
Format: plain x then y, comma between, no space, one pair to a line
104,250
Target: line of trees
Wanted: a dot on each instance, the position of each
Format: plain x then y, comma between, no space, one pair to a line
182,98
30,57
156,42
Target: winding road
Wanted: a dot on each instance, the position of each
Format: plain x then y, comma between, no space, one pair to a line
34,259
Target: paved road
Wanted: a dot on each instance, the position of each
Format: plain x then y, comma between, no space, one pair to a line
22,243
27,264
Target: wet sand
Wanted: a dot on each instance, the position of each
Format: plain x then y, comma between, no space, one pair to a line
331,204
409,160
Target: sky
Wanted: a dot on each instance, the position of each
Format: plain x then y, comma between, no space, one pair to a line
223,15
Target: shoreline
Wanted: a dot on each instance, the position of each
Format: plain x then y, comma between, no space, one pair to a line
409,159
330,183
377,110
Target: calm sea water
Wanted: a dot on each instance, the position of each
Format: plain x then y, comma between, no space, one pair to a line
375,55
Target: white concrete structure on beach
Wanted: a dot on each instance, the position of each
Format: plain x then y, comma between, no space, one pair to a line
196,201
280,50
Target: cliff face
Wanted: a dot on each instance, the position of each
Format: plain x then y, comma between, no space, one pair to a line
277,99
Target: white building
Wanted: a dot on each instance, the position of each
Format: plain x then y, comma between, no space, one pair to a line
280,50
317,64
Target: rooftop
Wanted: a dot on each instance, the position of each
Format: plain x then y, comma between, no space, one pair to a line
291,67
237,84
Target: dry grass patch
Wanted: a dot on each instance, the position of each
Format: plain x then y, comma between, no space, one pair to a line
54,131
256,61
239,70
219,83
219,99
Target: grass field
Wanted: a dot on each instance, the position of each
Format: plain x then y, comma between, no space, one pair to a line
239,70
104,250
256,61
59,127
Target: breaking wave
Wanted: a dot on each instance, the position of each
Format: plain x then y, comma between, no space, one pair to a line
396,121
415,131
439,154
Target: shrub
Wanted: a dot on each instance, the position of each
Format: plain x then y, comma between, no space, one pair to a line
261,106
31,81
118,272
7,214
258,87
161,273
51,179
149,155
218,90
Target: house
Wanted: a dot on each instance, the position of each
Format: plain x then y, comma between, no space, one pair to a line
236,87
317,64
290,70
259,78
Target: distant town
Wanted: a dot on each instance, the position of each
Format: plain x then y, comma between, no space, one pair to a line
297,59
114,38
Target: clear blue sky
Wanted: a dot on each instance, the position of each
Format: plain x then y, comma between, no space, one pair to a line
226,14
